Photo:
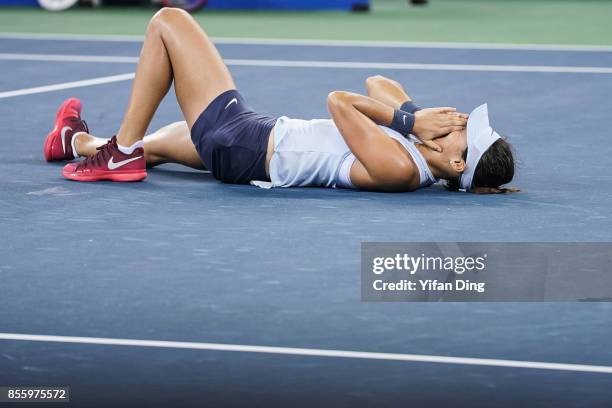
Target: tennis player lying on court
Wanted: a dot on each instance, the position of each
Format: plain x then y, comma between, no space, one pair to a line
380,142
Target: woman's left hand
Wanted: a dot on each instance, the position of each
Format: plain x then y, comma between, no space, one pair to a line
433,123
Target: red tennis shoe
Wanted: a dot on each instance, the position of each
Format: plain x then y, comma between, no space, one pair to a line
109,163
68,122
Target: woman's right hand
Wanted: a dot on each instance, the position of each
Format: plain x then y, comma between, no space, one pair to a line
433,123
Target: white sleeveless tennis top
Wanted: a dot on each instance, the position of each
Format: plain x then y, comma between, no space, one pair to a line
313,153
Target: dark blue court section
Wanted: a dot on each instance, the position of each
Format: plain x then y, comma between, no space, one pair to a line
27,74
184,257
317,53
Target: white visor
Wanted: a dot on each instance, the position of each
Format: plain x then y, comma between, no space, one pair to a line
480,136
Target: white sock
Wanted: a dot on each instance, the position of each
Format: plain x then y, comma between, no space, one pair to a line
73,144
130,150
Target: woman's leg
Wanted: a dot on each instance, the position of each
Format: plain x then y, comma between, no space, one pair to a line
170,144
175,48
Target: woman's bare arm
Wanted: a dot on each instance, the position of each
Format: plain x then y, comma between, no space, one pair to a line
385,161
393,94
356,117
387,91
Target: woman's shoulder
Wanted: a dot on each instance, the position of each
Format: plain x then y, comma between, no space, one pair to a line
401,176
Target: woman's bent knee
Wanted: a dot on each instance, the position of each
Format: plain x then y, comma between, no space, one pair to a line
169,15
169,19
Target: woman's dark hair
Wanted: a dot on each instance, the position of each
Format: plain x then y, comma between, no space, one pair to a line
495,168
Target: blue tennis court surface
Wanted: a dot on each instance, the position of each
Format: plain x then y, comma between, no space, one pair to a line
182,257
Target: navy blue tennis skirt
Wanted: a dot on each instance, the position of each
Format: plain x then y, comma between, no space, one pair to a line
232,139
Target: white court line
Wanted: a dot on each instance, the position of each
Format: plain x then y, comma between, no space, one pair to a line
422,358
325,64
414,44
67,85
321,43
414,66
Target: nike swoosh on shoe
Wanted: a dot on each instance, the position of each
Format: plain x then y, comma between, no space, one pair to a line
113,166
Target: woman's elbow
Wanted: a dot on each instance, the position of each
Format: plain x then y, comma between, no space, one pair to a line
340,98
337,96
374,80
336,100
